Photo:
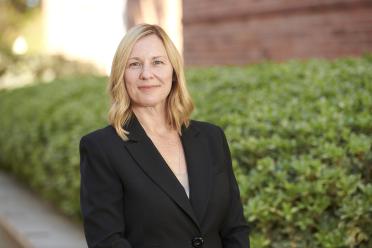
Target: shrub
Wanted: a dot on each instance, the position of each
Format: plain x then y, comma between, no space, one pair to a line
40,130
299,133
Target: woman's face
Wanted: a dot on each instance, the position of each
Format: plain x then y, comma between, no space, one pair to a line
148,75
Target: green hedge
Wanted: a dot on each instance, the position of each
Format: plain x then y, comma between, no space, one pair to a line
300,134
40,128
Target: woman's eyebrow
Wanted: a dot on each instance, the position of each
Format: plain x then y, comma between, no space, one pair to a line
135,58
155,57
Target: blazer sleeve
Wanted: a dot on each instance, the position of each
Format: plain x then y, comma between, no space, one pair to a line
235,230
101,198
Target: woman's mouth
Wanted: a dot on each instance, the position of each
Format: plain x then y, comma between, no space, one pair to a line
148,87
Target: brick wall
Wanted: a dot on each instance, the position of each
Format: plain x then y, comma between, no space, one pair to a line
245,31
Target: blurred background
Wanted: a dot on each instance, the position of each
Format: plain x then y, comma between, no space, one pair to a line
289,81
209,32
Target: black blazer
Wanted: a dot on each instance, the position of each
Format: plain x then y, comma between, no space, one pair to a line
130,198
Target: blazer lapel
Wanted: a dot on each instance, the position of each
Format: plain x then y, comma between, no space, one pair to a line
198,160
149,159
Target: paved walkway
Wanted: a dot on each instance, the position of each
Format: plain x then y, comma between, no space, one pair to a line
33,222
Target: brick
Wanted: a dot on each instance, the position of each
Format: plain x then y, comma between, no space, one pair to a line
314,28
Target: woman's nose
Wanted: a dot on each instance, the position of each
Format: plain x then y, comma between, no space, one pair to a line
146,72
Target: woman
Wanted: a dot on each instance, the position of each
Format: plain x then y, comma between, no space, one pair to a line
153,178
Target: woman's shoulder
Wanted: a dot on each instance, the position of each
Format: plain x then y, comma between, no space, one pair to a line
206,127
100,135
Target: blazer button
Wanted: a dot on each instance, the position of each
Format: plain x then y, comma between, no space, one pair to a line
197,242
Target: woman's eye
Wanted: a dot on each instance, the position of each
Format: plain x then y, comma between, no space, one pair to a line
134,64
158,62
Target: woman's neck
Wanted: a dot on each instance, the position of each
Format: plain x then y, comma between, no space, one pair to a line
153,120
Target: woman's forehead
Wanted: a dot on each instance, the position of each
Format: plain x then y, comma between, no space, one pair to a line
149,46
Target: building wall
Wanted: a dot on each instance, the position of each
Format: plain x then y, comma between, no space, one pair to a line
245,31
166,13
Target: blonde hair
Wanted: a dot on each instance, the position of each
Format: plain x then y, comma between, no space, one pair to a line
178,104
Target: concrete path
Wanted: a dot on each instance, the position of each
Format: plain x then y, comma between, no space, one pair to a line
26,221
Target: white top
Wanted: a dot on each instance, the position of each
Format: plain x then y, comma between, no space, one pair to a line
184,180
